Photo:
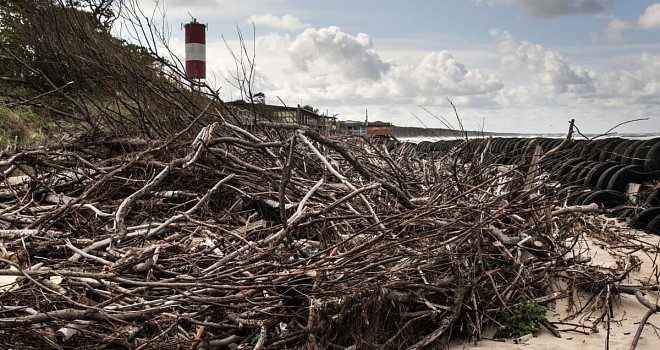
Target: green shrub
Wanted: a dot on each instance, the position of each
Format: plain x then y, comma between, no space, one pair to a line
524,318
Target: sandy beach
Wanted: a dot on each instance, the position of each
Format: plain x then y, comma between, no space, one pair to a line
628,312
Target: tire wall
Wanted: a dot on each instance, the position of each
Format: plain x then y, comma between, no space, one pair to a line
599,171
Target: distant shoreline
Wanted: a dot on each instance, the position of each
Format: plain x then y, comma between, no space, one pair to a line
416,139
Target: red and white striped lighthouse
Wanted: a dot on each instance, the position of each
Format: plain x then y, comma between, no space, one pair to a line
195,50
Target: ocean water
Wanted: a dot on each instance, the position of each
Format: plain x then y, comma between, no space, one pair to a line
554,136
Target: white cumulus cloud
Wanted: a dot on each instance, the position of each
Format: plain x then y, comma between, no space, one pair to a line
545,70
286,22
638,85
615,29
545,75
651,17
329,48
329,64
335,64
439,73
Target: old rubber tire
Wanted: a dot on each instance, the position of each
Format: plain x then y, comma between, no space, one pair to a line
585,150
604,179
643,218
606,198
653,226
576,147
652,162
543,143
626,214
630,151
568,193
620,149
592,149
653,198
566,168
595,172
497,145
639,157
624,176
581,176
607,149
583,194
551,144
572,176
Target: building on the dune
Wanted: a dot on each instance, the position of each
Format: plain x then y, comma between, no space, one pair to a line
251,112
378,128
355,128
371,128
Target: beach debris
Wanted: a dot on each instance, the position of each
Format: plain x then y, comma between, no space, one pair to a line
283,239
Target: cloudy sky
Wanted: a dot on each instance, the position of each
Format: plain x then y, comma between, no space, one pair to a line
507,65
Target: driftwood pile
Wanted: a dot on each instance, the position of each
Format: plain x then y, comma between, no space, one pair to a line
282,238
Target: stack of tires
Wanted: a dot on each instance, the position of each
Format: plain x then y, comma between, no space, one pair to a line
612,172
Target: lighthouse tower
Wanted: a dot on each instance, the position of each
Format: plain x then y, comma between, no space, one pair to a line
195,50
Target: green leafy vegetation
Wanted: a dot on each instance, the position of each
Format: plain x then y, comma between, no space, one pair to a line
259,98
524,318
311,109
